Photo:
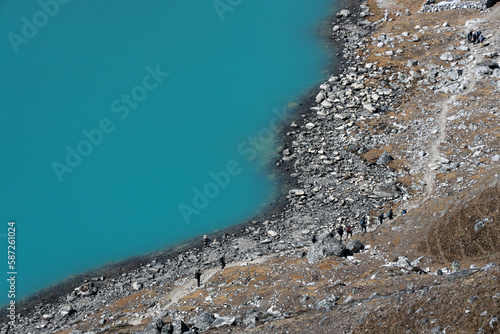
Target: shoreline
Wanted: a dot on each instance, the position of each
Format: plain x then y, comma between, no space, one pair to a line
277,205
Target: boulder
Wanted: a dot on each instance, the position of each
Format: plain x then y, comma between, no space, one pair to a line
386,191
355,246
202,321
154,327
327,303
488,63
67,310
326,246
297,192
252,316
86,289
483,70
384,159
309,126
136,286
344,13
404,263
223,321
167,328
461,274
448,56
411,63
179,327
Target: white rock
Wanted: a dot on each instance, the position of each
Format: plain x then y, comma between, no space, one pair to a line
326,104
309,126
272,233
136,286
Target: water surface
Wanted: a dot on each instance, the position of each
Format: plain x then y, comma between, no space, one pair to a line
99,69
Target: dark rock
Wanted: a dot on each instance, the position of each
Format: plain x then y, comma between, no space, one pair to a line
167,328
327,303
326,246
419,270
179,327
202,321
384,159
355,246
386,191
252,316
67,310
488,63
461,274
154,327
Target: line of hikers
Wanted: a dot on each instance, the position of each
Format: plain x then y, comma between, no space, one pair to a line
362,224
475,37
340,231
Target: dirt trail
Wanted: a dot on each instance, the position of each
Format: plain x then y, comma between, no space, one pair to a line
182,290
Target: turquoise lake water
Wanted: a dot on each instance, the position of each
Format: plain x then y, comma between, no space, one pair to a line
127,126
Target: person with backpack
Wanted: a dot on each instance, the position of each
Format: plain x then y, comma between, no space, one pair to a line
349,231
197,275
469,36
222,261
381,218
362,223
340,231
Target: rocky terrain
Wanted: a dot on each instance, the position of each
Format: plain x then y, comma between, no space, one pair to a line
409,122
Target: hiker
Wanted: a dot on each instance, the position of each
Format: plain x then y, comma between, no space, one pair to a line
479,37
340,231
390,214
469,36
381,218
362,223
349,230
222,261
197,275
314,239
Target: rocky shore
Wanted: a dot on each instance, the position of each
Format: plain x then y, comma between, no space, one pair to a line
352,150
